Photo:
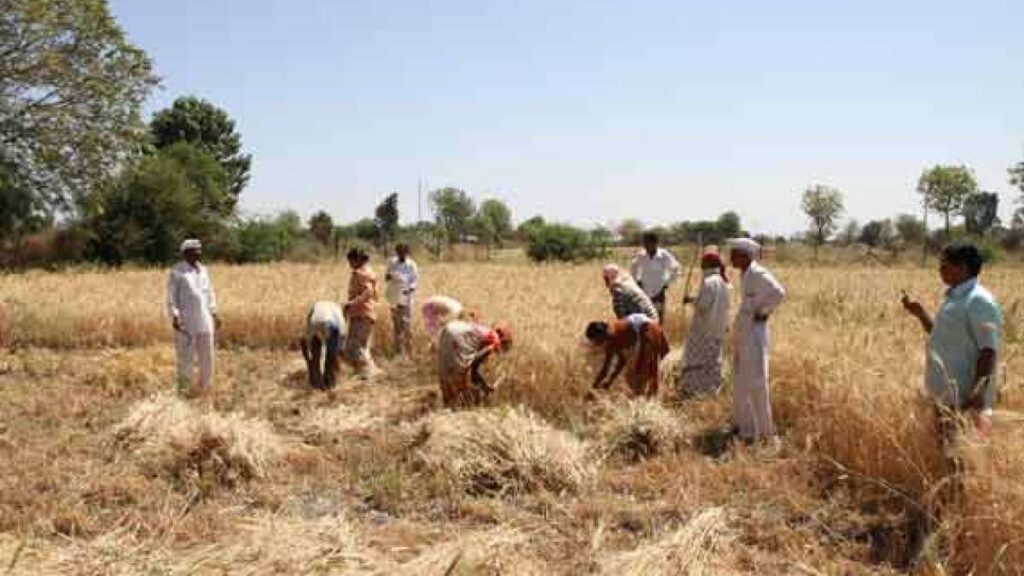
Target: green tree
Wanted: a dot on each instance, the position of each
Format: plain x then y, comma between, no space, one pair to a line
21,211
823,205
877,234
71,90
728,226
386,219
322,227
981,212
527,227
494,222
1017,179
910,229
563,243
453,210
630,230
145,213
945,188
850,233
208,127
260,240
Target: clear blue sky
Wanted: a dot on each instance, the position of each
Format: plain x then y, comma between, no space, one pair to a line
591,112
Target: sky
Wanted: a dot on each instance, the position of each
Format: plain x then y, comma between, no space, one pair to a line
591,112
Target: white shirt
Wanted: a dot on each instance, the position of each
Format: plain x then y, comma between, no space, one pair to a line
402,279
712,306
657,273
762,293
322,317
190,298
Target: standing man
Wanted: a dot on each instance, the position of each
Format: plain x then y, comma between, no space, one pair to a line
401,277
761,295
964,339
192,307
361,312
655,269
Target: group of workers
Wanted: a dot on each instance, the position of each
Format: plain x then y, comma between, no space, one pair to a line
963,349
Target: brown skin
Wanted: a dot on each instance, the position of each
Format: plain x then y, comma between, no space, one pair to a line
651,247
193,257
953,275
619,358
742,261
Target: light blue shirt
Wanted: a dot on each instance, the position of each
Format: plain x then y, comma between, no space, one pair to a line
968,322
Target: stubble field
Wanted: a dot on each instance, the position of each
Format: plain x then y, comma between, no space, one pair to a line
103,470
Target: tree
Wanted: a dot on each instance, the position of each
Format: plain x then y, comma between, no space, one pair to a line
386,219
630,230
71,90
564,243
453,209
850,233
322,227
494,221
877,233
981,212
145,213
208,127
823,206
21,211
945,188
528,227
728,226
910,229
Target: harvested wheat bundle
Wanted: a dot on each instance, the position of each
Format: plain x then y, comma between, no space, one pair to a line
503,451
498,551
688,551
641,428
169,436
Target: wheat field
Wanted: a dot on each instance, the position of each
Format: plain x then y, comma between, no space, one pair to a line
103,470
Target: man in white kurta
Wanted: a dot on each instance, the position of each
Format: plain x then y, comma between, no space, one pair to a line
761,295
402,278
192,306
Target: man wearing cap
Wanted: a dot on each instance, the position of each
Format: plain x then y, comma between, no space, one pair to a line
192,306
655,269
761,294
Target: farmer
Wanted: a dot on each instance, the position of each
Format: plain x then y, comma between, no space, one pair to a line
462,348
361,313
761,294
701,371
401,278
964,338
627,297
192,306
438,311
654,270
325,331
636,334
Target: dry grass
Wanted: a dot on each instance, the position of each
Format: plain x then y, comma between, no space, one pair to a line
503,451
168,436
101,471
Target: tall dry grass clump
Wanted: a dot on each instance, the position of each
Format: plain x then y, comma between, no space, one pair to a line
168,436
690,550
503,451
640,428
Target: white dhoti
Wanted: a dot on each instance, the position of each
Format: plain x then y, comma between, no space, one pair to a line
187,347
751,401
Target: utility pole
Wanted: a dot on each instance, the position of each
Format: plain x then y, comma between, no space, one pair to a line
419,200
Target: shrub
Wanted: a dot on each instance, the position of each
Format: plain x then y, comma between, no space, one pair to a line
564,243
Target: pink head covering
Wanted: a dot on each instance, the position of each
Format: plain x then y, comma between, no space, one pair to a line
612,274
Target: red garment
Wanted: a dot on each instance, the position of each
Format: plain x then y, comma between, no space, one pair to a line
653,346
713,260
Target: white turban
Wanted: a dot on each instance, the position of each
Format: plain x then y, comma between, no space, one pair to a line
745,245
191,244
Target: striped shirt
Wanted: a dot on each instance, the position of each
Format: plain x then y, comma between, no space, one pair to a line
628,298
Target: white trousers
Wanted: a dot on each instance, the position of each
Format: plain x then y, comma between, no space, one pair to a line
188,346
751,401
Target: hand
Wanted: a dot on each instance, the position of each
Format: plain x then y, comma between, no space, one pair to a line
760,318
176,323
912,306
387,277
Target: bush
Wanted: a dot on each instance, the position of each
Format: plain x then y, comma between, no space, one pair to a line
564,243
